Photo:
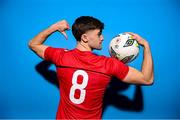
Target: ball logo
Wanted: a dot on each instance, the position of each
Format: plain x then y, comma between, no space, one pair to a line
129,42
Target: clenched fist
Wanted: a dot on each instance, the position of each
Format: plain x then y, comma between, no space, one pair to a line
61,26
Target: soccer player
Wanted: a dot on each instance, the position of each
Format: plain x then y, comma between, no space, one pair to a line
84,76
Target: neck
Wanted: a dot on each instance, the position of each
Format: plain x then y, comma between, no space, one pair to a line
83,47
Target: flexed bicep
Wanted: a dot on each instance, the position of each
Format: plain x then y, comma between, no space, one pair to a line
135,77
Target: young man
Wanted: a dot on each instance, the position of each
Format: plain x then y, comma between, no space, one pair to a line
84,76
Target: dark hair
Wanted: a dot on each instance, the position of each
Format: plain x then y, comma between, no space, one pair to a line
84,24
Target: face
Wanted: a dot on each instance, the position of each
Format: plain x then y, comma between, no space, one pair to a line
94,39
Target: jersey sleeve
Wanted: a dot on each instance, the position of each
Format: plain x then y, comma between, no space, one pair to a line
53,54
117,68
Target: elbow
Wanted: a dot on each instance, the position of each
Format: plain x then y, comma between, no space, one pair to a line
30,45
149,82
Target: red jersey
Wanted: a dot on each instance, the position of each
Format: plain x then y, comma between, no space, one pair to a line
83,78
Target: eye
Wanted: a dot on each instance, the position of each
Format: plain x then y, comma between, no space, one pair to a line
99,33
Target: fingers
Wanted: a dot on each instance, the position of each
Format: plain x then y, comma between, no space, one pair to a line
139,39
62,27
65,35
65,25
135,36
68,27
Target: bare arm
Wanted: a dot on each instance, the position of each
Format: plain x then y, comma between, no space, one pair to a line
36,44
146,75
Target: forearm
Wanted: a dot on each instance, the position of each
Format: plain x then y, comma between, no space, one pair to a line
147,65
41,37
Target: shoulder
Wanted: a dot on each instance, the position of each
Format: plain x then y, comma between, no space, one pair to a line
53,49
108,62
111,62
52,52
109,59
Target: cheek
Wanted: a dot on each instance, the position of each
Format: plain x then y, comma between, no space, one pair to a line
91,38
91,42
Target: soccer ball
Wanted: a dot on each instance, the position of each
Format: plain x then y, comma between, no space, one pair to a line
124,48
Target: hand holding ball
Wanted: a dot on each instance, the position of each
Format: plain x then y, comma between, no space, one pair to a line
124,47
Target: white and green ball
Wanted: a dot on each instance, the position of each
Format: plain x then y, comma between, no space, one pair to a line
124,47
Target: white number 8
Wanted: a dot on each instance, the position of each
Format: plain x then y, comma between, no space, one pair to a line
81,87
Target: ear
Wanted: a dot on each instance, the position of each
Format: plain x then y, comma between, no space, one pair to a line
84,38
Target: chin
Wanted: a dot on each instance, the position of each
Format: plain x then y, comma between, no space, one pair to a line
99,48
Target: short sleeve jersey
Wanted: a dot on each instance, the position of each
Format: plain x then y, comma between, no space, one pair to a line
83,78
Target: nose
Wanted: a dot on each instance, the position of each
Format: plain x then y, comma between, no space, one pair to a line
102,37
